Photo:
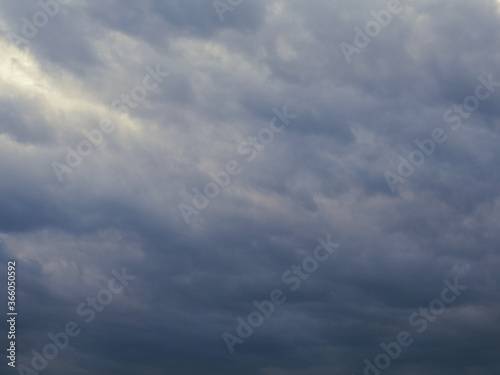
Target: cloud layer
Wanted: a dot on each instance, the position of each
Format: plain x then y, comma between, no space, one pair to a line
322,174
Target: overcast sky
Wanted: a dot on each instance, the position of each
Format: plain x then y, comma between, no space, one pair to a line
386,145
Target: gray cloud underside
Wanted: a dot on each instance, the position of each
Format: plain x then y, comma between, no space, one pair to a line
322,175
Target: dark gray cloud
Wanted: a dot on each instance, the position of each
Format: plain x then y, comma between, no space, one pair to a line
322,175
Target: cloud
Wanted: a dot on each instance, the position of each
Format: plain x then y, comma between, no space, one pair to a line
323,175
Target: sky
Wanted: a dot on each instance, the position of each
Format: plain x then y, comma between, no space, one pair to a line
261,187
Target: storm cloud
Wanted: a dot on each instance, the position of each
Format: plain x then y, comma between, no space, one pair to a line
153,137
